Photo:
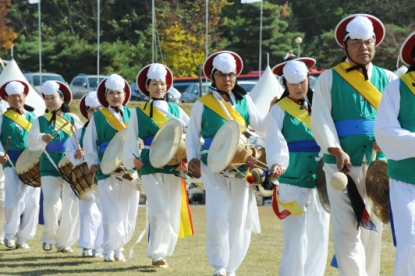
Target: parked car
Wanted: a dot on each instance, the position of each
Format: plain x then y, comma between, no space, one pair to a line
138,96
82,84
34,79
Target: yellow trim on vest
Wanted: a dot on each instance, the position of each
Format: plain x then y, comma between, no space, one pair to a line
293,206
358,82
18,119
294,110
158,117
210,101
60,121
112,120
409,79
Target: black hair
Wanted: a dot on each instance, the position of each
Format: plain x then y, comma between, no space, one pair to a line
237,90
64,108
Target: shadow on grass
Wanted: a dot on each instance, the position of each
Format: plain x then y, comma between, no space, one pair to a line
83,271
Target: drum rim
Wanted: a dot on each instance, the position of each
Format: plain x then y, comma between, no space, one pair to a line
26,165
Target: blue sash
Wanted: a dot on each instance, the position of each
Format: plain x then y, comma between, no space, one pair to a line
208,142
103,146
355,127
148,140
303,146
56,146
14,154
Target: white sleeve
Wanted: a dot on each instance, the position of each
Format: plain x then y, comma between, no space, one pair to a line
276,146
78,122
1,146
131,144
90,144
397,143
34,139
194,130
184,117
322,124
390,75
257,119
72,146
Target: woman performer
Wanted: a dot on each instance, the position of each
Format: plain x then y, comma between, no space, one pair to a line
291,155
120,200
60,203
90,207
163,189
231,212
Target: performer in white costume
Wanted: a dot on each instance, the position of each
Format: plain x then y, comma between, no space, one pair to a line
119,200
2,213
291,155
394,130
90,238
60,205
20,199
231,212
342,123
163,189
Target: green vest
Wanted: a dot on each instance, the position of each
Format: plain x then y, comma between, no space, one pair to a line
403,170
18,140
147,127
105,132
46,167
212,122
302,168
81,138
348,104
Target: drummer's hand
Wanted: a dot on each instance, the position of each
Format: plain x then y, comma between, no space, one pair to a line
376,146
4,158
194,167
138,164
275,171
94,168
79,153
342,159
47,138
274,101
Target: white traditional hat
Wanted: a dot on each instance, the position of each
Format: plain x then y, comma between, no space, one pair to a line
90,99
115,82
225,61
295,70
407,49
50,87
13,87
153,71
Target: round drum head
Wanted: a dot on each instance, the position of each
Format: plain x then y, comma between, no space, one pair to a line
223,147
165,144
321,186
113,154
27,160
377,189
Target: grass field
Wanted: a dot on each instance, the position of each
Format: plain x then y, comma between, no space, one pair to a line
189,257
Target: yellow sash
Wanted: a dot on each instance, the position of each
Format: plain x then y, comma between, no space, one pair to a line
158,117
112,120
294,110
409,79
362,86
18,119
60,121
210,101
186,222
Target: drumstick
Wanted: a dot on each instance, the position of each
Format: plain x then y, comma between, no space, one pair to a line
126,146
78,146
7,146
56,132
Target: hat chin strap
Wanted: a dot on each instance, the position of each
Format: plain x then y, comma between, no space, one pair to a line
151,103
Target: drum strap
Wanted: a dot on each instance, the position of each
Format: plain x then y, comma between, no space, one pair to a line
358,82
18,119
60,121
294,110
112,120
408,79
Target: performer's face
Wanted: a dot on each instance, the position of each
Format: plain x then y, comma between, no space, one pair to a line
91,111
157,88
53,102
224,82
16,100
298,90
114,97
361,51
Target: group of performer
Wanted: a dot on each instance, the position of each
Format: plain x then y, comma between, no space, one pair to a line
345,123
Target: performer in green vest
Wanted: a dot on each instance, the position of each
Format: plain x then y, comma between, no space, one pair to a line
60,205
292,155
90,237
20,199
394,130
2,213
119,199
231,211
344,110
162,187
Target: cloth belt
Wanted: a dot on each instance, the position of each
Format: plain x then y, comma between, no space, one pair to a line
14,154
355,127
148,140
103,146
56,146
303,146
208,142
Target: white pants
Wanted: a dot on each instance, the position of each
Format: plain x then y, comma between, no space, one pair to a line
164,194
306,236
227,235
92,232
119,212
59,205
2,213
21,200
402,197
357,251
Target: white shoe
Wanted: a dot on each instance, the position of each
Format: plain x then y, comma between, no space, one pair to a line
22,246
220,272
162,263
86,253
47,246
1,241
109,257
96,254
9,243
119,256
65,250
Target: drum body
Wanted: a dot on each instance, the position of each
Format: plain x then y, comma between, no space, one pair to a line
83,181
28,167
65,167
